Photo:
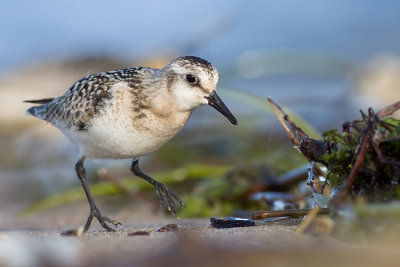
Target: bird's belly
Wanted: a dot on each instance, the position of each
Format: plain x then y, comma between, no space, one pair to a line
116,138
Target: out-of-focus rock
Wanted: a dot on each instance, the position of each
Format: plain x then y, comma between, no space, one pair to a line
378,84
29,251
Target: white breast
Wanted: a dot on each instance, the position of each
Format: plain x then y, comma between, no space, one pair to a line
116,133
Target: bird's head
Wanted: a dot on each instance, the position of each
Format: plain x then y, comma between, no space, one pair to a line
192,81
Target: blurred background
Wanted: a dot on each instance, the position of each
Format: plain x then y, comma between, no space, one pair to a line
324,60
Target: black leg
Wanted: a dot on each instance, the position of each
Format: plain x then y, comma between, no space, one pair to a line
94,211
166,195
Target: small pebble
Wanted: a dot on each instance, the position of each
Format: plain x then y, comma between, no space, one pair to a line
230,222
73,232
139,233
169,228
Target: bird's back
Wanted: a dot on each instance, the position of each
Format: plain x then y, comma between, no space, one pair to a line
84,99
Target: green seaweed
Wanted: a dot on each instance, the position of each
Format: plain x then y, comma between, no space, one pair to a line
379,173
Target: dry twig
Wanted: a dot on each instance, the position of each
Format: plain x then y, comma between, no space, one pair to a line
263,214
296,134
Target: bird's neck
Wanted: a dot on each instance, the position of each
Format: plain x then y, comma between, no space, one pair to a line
164,106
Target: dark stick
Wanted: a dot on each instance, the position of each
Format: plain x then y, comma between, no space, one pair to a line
297,130
288,131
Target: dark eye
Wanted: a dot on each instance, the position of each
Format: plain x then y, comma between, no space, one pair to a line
191,78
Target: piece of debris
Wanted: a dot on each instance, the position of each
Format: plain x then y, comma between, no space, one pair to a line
139,233
78,232
263,214
364,158
169,228
230,222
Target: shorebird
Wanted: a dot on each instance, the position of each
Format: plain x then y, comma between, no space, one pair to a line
129,113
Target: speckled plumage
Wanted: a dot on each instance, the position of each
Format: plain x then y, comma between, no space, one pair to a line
89,95
116,114
129,113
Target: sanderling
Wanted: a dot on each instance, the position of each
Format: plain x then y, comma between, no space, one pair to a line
129,113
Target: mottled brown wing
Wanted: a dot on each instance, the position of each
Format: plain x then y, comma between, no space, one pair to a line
86,98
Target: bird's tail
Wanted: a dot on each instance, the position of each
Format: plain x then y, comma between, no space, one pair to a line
38,111
40,101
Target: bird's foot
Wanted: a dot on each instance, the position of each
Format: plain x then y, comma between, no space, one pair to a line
103,220
168,198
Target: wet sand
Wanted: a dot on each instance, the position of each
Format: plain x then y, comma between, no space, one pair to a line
29,242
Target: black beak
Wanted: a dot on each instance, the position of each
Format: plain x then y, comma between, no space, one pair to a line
216,102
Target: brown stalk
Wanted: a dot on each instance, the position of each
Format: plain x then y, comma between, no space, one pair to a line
274,107
299,132
387,111
263,214
358,163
